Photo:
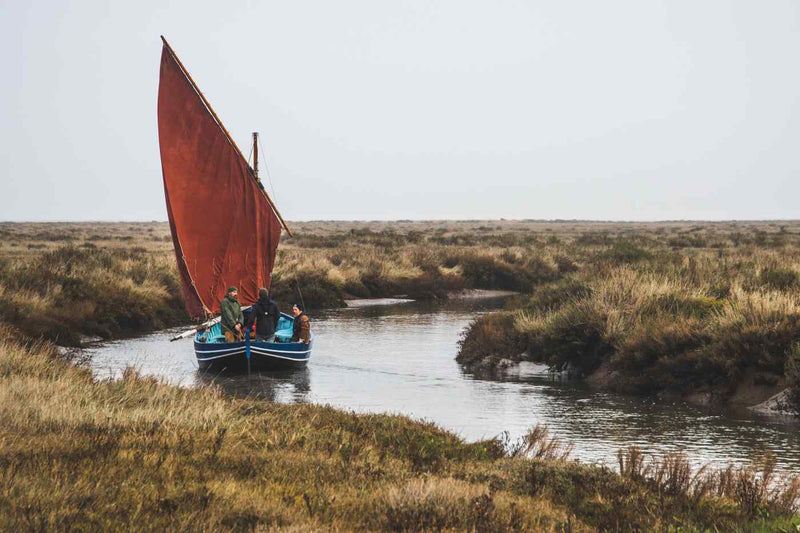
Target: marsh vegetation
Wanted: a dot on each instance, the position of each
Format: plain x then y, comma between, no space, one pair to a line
671,308
658,307
137,454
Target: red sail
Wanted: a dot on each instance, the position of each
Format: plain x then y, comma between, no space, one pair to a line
224,228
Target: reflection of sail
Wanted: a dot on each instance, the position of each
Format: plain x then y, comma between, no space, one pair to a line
224,227
273,386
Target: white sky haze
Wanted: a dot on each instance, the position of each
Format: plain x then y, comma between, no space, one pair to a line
623,110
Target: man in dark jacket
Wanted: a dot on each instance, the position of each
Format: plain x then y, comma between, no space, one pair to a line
231,318
265,314
301,331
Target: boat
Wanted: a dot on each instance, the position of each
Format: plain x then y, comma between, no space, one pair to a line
211,349
225,228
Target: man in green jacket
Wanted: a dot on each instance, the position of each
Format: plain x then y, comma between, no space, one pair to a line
232,317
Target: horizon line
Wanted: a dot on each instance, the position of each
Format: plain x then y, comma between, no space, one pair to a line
421,220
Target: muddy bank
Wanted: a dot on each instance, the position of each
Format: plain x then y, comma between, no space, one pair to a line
762,393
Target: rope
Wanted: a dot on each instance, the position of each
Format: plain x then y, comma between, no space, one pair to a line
275,199
266,169
301,293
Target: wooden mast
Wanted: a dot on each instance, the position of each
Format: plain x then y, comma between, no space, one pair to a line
255,153
224,131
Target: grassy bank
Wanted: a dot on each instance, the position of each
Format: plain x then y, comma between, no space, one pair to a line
708,312
139,455
60,280
72,291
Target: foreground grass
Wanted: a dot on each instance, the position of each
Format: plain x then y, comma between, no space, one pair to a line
140,455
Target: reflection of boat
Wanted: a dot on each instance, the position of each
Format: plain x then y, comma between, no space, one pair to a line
278,386
224,226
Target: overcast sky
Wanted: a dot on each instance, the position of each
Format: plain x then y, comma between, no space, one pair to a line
623,110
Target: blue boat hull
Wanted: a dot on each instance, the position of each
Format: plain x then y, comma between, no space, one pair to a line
263,355
213,352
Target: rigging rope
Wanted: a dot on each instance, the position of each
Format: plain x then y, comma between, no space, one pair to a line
275,199
266,169
301,294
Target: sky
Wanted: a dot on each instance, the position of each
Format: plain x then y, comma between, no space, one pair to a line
374,109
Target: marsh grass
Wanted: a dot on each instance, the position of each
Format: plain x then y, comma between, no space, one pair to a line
756,489
658,316
664,306
138,454
61,281
68,291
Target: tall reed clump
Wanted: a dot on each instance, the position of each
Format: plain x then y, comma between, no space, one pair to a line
657,320
756,489
69,291
138,454
352,269
792,372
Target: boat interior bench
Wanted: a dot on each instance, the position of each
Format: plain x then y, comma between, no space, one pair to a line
282,334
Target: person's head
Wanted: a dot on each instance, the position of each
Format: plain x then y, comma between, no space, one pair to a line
263,293
297,309
233,292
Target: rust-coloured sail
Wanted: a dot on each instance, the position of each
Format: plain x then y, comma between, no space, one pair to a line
224,228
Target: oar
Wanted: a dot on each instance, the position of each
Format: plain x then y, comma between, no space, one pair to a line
190,332
201,327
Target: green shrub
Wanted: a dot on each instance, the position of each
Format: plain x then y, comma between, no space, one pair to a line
573,340
315,290
552,296
565,265
687,241
777,278
490,335
675,305
485,272
594,239
654,352
792,372
624,252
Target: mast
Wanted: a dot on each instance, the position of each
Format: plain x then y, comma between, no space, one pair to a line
255,153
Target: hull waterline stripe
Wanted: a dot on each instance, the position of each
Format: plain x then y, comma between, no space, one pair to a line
252,347
203,359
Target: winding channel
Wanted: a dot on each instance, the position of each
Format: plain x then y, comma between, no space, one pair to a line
400,358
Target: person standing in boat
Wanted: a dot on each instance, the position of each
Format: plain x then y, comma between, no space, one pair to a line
265,314
301,331
232,317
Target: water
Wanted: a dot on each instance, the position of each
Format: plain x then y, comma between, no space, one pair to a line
400,358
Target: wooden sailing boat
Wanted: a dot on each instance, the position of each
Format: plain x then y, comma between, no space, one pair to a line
225,228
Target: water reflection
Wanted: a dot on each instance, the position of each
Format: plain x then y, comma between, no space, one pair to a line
282,386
